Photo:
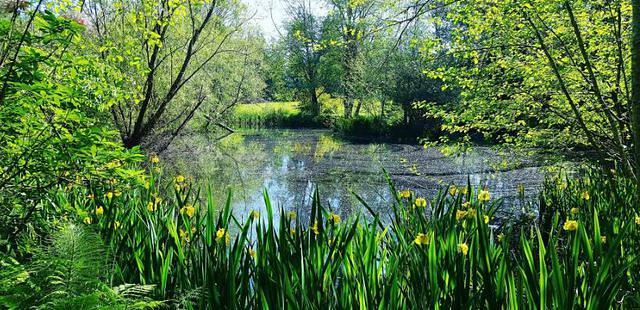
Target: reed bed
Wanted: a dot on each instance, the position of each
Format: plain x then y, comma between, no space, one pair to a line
436,252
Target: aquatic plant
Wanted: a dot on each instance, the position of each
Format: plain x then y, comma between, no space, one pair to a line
449,253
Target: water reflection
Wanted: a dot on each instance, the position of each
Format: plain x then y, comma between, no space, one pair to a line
289,164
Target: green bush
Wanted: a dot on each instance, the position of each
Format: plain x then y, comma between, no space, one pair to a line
54,122
70,271
362,126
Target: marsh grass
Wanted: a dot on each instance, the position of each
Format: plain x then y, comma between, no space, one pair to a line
443,252
272,114
293,115
264,108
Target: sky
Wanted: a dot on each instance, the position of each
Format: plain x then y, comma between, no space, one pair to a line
264,9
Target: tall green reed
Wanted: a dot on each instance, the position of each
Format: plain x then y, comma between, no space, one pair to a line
444,252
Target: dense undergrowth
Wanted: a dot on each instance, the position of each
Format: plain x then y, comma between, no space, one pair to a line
181,250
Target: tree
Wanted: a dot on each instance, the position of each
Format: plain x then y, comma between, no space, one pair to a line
164,45
354,19
305,51
414,90
552,74
54,124
232,80
274,72
635,84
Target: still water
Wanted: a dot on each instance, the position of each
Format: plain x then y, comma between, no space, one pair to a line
291,164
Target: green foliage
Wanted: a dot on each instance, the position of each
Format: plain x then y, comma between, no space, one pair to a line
546,74
352,56
54,123
245,111
181,59
67,183
409,85
277,115
305,50
275,72
73,262
230,79
354,24
69,272
363,126
448,250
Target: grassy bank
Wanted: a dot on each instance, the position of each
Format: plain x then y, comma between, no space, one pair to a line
368,125
274,115
183,251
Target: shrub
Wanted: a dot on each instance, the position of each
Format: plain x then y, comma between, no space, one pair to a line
54,122
68,272
362,126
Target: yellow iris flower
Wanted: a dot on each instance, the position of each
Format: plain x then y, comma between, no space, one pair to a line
421,239
255,214
472,212
188,209
405,194
464,190
463,248
154,159
484,195
570,225
222,233
420,202
184,235
334,218
453,190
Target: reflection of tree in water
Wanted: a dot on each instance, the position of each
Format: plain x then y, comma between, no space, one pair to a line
340,168
219,163
325,145
289,163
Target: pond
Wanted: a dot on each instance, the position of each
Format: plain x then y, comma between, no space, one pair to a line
291,164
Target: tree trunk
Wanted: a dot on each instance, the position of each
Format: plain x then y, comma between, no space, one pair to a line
132,140
315,104
405,113
351,77
358,107
348,107
635,87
